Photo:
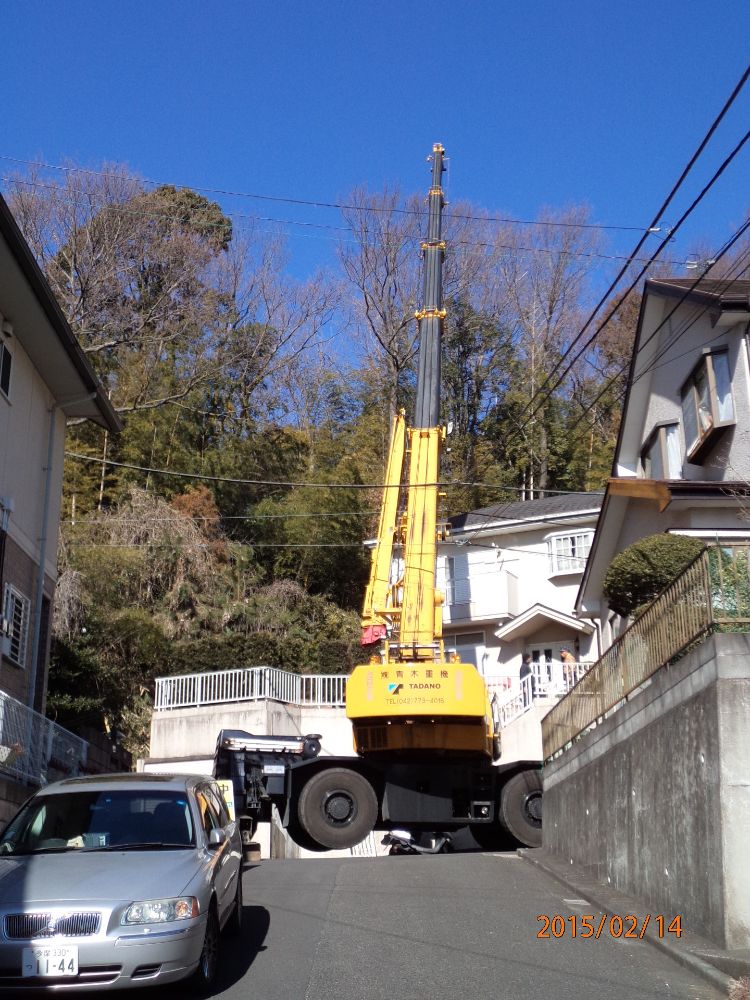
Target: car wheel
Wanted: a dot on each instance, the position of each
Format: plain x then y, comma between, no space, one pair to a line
233,927
521,807
337,808
208,964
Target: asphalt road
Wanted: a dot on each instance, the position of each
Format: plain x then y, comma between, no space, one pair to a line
447,927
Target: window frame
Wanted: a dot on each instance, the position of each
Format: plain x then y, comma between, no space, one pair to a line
554,557
696,449
19,627
659,436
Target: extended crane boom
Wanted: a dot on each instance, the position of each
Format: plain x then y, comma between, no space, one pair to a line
422,722
411,696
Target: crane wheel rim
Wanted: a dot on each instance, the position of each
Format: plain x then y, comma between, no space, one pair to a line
532,807
339,808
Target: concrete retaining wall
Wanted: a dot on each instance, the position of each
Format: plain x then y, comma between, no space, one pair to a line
183,732
655,801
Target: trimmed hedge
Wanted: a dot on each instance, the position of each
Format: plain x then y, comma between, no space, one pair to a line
639,573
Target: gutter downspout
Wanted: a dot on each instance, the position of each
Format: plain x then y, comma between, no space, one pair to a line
42,560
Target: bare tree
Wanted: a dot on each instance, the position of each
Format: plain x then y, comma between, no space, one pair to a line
162,297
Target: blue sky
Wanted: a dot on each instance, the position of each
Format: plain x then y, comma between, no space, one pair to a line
537,103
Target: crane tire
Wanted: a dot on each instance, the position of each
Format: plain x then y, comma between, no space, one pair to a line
337,808
521,807
492,836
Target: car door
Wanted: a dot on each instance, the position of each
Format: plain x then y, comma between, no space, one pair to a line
223,875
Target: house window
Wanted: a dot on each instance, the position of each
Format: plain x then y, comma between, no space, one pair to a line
706,403
16,609
5,363
469,646
568,553
457,589
661,457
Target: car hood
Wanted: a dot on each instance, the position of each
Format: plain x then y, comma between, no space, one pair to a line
96,875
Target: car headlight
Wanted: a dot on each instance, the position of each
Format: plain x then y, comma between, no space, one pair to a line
161,911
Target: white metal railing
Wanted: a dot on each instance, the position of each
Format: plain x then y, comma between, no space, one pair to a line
248,684
512,697
35,749
552,680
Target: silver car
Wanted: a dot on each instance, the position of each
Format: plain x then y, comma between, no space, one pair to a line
117,881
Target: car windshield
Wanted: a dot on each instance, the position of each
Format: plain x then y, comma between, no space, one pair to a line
123,819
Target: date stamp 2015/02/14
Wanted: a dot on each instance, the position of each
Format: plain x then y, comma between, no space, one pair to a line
588,926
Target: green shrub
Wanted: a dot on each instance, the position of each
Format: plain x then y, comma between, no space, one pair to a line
639,574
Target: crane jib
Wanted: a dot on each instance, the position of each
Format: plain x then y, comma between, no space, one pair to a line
432,312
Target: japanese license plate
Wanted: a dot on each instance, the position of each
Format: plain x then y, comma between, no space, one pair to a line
50,961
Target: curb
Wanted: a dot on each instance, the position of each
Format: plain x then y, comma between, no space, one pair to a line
613,901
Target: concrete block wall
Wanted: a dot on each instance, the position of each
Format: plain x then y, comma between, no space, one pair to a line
183,732
655,801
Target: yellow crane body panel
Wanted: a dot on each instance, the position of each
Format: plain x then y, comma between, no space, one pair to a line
419,705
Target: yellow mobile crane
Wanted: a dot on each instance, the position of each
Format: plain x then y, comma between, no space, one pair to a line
422,721
411,696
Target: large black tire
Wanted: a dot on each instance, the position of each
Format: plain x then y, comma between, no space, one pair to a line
337,808
204,976
492,836
301,838
521,807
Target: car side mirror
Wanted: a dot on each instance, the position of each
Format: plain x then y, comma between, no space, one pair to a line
216,838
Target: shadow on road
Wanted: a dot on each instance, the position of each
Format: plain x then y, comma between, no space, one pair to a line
236,955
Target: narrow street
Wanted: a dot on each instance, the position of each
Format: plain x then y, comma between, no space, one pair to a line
458,927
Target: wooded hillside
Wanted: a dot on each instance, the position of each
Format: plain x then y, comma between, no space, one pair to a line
224,526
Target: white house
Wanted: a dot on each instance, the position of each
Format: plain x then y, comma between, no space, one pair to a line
44,380
682,462
510,574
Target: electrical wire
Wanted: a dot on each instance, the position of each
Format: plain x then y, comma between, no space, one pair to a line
628,291
355,240
341,206
659,214
686,325
291,484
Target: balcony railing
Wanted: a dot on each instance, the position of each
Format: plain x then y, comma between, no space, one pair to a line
249,684
547,681
711,594
33,748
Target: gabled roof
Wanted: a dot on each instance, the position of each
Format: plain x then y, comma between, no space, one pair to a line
44,333
526,512
535,618
728,299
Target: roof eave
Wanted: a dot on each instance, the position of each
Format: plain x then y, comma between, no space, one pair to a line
102,412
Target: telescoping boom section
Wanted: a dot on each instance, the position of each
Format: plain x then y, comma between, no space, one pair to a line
411,696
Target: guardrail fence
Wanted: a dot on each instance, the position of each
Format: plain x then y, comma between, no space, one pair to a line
35,749
249,684
712,594
547,681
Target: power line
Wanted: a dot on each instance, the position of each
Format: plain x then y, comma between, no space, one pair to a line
659,214
411,240
630,288
220,517
290,484
341,206
687,324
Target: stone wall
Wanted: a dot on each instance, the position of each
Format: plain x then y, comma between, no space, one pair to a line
655,801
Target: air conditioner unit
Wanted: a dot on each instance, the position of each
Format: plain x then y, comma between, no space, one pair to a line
5,627
4,645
